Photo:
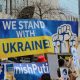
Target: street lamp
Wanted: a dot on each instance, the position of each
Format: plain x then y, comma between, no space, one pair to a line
6,6
10,7
27,2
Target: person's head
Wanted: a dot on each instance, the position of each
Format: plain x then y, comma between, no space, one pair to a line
45,76
61,62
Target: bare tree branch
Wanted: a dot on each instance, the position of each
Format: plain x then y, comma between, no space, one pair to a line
36,13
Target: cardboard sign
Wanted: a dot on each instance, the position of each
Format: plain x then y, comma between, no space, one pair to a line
64,73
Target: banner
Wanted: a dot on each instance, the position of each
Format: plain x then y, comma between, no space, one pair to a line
30,71
22,71
20,37
25,46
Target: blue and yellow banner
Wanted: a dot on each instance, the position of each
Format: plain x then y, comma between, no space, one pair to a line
20,37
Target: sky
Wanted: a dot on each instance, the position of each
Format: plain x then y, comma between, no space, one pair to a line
70,5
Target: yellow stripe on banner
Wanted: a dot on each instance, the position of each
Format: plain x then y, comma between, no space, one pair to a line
14,47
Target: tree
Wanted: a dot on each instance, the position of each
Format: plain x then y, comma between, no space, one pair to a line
26,13
44,10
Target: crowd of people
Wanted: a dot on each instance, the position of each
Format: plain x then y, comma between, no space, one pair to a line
66,71
69,72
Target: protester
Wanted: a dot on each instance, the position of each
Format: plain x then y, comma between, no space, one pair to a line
62,70
10,76
73,74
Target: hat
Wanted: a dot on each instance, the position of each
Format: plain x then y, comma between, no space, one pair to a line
41,58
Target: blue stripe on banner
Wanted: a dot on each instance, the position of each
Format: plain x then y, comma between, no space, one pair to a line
14,28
